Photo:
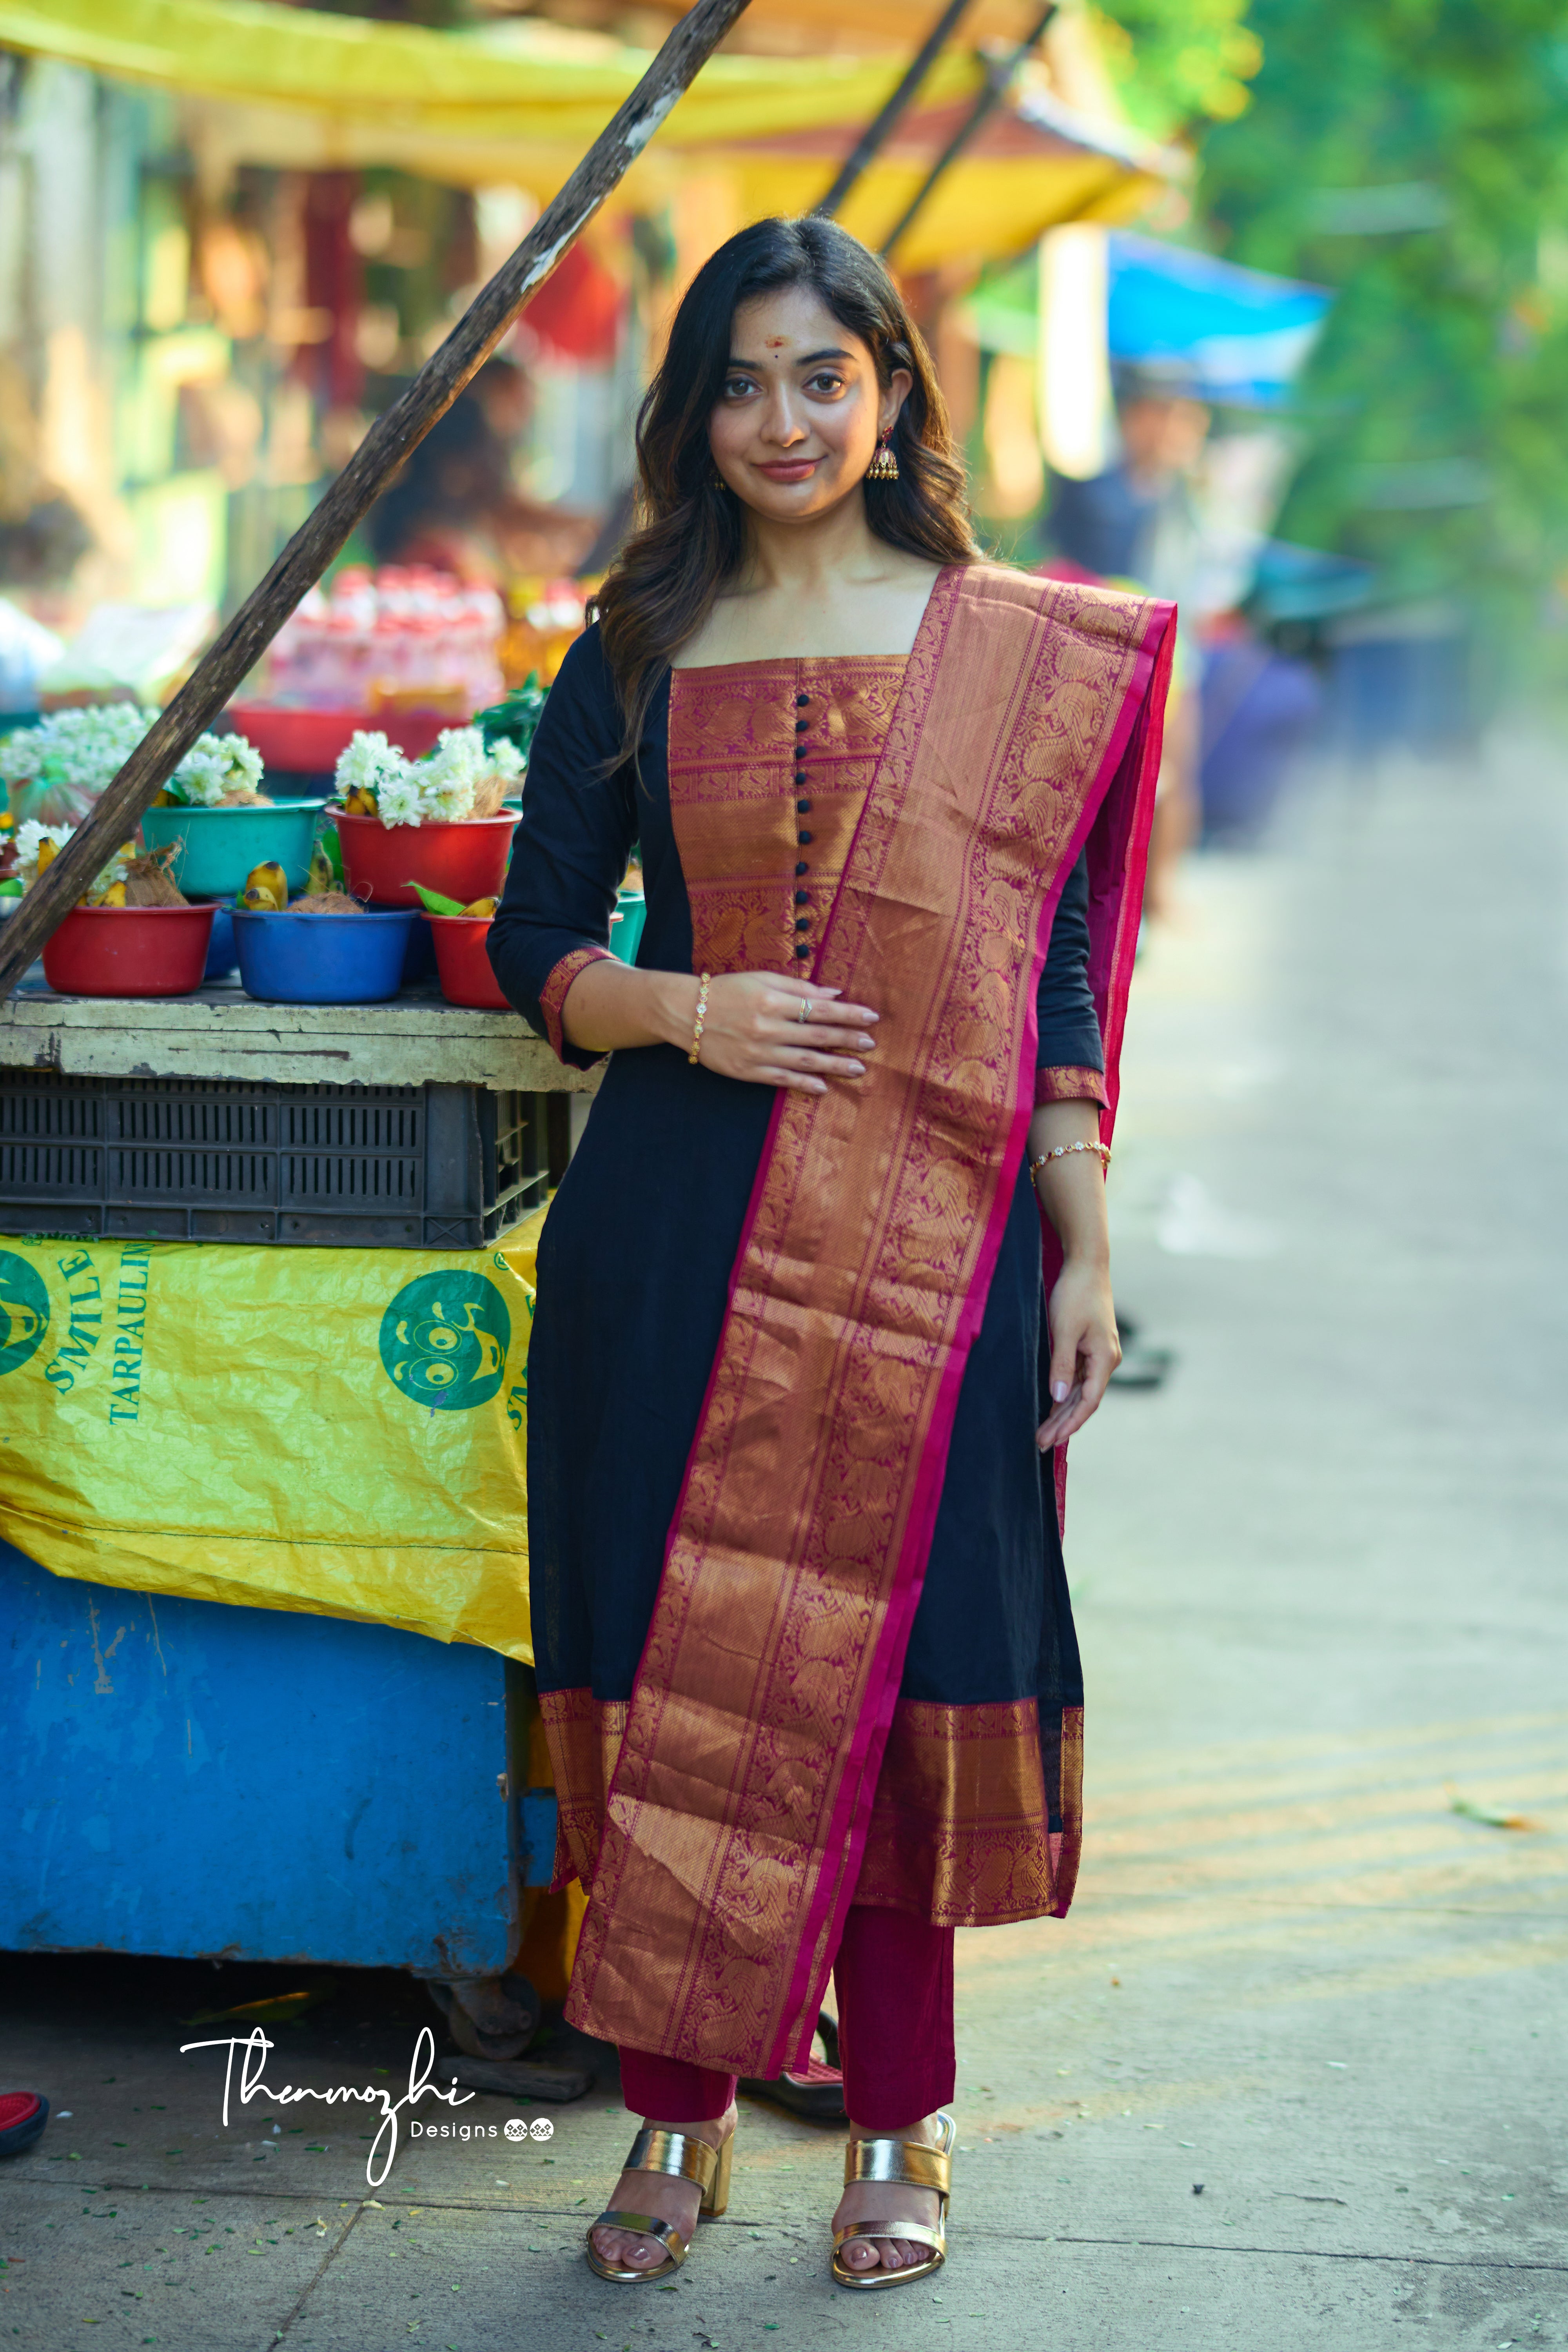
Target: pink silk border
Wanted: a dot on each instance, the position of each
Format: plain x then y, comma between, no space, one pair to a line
1096,653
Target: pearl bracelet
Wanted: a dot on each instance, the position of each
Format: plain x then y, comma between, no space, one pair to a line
1066,1151
701,1017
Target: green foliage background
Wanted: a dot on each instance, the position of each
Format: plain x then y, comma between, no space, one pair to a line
1447,352
1177,62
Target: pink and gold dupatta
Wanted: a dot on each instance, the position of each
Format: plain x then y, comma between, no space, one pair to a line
735,1817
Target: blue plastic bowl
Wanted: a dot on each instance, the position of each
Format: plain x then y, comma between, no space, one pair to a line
222,955
322,958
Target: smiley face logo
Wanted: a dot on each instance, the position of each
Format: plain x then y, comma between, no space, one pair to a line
444,1340
24,1311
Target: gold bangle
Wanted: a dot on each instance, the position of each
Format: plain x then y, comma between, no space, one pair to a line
701,1017
1066,1151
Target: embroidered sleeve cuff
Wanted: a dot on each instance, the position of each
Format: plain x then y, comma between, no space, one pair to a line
553,1002
1067,1084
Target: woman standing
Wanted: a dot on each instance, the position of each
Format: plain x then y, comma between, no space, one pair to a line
805,1651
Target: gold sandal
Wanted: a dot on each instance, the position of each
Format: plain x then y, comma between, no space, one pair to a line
909,2164
683,2157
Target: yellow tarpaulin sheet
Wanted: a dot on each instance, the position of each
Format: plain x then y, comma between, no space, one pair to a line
337,1430
515,82
519,103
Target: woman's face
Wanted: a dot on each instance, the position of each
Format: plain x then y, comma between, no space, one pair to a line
797,420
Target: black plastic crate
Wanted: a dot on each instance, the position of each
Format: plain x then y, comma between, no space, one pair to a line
219,1159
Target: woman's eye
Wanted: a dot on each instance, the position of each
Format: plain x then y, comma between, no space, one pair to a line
736,387
827,381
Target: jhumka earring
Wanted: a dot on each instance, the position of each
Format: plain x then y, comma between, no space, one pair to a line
884,465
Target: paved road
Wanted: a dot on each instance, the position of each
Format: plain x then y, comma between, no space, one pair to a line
1293,2075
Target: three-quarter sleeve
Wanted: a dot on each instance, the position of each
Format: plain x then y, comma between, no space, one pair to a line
1070,1056
569,851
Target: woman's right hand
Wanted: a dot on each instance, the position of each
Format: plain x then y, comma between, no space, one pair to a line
752,1029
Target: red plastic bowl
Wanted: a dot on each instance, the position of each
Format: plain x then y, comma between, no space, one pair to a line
382,861
128,951
309,740
462,963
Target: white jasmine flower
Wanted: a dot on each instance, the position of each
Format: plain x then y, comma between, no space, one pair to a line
439,789
83,749
215,766
369,764
449,773
86,746
400,801
30,838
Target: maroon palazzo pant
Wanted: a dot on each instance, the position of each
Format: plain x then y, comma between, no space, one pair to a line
894,1980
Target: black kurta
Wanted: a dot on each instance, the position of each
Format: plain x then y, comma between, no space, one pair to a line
636,1257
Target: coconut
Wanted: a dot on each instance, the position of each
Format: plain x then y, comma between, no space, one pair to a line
326,902
149,882
490,792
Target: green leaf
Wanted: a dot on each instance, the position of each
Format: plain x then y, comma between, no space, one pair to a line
1492,1816
432,902
275,2010
515,716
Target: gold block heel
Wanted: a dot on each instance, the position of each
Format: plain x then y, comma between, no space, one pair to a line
909,2164
716,2196
679,2156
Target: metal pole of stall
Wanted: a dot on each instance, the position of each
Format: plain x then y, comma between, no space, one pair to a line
999,82
877,131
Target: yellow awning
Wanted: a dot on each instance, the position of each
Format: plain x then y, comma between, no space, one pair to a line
504,86
520,103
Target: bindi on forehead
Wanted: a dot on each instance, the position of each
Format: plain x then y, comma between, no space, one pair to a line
777,342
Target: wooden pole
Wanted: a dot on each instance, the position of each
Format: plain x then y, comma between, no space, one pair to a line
877,133
998,80
380,453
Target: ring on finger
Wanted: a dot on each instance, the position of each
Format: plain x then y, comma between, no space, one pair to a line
804,1013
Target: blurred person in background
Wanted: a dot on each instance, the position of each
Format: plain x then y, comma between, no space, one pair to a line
39,550
43,538
456,504
1136,526
800,1375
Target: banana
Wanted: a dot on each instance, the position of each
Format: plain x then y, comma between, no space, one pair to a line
481,907
362,802
45,854
258,902
321,878
114,895
269,883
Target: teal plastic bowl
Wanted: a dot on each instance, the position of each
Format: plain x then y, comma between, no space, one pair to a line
626,937
220,846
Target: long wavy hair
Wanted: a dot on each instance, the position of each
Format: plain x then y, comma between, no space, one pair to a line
691,528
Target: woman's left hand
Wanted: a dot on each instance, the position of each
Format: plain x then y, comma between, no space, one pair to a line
1085,1348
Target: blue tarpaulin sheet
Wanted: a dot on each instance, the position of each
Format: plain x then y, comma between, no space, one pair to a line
1236,335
